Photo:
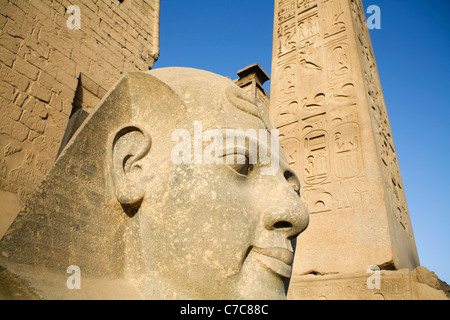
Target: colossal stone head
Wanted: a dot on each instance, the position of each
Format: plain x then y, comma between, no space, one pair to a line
138,222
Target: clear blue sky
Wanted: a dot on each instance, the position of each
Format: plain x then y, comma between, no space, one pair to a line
412,52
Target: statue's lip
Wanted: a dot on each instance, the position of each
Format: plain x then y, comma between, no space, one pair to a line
278,260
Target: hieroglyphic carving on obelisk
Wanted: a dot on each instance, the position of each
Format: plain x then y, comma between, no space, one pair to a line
327,102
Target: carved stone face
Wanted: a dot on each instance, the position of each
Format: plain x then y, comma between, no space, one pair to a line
146,225
209,231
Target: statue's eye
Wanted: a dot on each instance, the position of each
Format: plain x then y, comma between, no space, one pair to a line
292,179
239,163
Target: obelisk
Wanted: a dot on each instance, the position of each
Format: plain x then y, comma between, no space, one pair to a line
327,102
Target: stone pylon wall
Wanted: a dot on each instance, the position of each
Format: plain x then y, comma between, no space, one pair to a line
47,64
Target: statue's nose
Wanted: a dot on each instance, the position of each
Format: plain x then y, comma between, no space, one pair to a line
291,222
287,214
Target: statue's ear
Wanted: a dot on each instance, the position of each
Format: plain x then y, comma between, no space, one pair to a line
130,146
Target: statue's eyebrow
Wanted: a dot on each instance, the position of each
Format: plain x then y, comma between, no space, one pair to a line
245,102
242,101
258,142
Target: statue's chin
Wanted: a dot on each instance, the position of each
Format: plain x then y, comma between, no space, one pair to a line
260,282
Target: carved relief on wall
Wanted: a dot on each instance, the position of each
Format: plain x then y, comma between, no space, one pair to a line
292,149
314,104
332,17
316,157
318,200
380,122
341,100
287,38
332,177
286,10
287,81
347,151
288,109
289,139
358,15
395,286
339,68
308,25
331,159
304,5
310,58
327,197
